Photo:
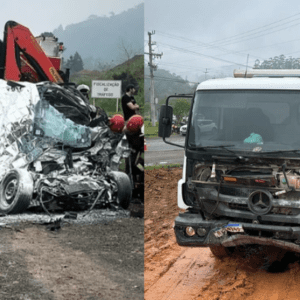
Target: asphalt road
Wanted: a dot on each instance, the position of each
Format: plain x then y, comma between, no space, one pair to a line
161,153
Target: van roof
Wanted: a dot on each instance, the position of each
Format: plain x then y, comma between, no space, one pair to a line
255,83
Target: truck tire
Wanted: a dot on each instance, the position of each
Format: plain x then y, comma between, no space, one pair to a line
124,188
16,191
220,251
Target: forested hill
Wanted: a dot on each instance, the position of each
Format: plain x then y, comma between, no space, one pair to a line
166,84
104,38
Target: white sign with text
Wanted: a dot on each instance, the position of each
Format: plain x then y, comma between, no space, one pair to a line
106,88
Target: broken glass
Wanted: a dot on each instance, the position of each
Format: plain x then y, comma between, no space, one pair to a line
49,122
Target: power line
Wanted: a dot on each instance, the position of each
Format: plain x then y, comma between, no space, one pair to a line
205,44
242,38
258,28
171,79
219,48
178,65
201,54
272,45
201,43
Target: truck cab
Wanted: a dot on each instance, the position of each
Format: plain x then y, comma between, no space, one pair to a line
241,181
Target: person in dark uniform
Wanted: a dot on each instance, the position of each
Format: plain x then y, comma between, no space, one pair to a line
129,105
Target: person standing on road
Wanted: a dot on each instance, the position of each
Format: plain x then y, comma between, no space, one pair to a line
129,105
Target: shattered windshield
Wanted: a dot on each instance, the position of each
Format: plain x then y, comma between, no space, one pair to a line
246,120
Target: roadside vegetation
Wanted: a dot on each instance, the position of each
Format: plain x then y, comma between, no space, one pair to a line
150,131
166,166
131,71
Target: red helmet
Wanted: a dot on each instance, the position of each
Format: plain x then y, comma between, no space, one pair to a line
135,123
116,123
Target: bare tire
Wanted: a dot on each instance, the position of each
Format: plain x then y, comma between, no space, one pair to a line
220,251
124,188
15,191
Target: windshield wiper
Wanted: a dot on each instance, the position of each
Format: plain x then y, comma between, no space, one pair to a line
280,151
219,146
210,147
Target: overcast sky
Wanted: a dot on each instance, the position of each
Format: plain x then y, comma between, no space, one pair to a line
41,15
218,35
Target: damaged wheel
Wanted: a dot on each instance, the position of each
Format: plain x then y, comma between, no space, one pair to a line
15,191
220,251
124,188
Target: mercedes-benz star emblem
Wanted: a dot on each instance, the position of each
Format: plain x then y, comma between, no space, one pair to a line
260,202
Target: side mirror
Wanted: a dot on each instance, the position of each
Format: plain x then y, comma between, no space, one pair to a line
165,121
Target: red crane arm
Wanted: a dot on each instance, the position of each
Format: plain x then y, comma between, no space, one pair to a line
18,39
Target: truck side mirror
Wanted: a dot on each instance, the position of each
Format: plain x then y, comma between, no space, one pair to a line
165,121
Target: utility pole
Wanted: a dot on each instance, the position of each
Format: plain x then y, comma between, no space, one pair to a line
152,68
205,73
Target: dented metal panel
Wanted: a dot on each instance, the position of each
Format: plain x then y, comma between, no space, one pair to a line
42,141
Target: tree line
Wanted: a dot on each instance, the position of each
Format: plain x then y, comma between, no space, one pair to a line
278,62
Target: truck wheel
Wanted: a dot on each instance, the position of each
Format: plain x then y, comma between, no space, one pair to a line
220,251
124,188
16,191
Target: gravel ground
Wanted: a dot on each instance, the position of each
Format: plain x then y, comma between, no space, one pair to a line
96,216
99,256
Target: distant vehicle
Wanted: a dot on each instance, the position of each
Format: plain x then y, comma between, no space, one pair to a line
183,129
205,126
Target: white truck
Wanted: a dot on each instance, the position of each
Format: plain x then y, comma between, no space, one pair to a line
241,182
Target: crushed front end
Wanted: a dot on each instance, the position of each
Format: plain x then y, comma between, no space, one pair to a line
232,204
51,158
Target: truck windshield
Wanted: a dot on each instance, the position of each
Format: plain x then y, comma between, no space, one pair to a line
265,120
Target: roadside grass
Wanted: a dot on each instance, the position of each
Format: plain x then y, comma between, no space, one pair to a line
166,166
151,131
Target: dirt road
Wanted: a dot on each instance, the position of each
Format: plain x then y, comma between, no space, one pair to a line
99,261
173,272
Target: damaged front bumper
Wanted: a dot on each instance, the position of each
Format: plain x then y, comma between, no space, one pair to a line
229,233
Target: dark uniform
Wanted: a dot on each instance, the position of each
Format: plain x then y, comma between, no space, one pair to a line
128,113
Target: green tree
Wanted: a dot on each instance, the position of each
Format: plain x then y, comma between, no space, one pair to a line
47,34
278,62
181,109
74,63
77,63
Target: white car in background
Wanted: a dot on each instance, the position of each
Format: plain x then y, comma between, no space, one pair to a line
183,129
206,126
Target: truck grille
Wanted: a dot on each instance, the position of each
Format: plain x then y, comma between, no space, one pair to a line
275,210
236,206
235,192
